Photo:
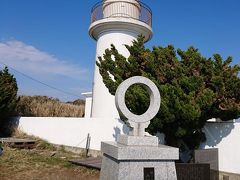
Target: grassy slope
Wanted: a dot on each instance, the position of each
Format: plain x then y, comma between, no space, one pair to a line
42,162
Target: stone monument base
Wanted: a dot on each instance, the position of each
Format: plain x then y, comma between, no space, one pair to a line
138,158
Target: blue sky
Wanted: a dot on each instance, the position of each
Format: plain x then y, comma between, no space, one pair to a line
48,39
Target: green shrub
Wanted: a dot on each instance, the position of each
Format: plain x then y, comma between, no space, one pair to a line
8,100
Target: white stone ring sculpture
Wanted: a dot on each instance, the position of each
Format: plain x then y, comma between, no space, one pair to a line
138,122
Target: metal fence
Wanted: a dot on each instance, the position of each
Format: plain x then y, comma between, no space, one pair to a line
126,9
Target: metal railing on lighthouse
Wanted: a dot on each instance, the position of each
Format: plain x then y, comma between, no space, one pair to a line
122,9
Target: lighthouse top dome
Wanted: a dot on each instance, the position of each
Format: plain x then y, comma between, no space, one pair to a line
130,15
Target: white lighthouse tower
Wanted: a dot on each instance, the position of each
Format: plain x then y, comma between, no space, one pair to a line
116,22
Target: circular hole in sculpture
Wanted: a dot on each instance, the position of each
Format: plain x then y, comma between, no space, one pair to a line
137,99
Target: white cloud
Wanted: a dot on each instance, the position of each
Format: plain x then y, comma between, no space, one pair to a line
30,60
47,68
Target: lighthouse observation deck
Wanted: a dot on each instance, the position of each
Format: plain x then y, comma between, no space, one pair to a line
127,15
132,9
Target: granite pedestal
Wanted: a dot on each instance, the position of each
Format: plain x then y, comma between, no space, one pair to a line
138,158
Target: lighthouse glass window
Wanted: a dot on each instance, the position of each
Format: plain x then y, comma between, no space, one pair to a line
148,173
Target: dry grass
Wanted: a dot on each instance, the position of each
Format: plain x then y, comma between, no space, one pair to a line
19,134
43,162
42,106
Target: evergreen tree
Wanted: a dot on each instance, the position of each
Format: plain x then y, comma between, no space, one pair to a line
8,99
193,88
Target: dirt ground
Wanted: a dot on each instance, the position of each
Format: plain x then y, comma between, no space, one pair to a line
45,162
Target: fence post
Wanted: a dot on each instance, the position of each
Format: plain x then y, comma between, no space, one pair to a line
88,144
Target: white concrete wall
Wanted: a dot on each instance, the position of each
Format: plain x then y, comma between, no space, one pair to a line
73,131
226,137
